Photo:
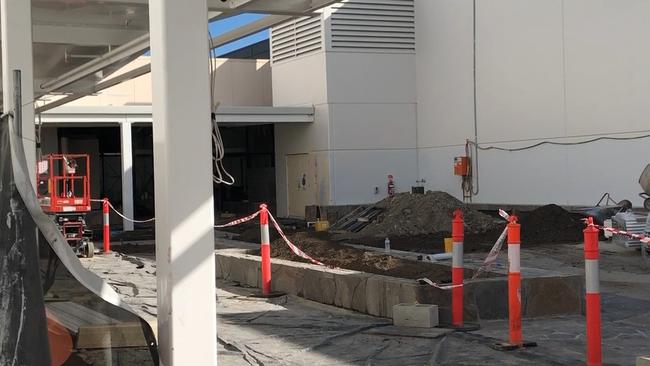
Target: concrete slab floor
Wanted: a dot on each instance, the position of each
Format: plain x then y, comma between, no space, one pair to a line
300,332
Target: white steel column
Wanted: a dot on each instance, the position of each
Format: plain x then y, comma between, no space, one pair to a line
183,183
16,19
127,173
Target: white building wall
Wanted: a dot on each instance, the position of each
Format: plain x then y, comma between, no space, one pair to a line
302,82
552,70
365,126
373,124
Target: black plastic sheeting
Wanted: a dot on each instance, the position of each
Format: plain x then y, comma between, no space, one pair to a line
53,311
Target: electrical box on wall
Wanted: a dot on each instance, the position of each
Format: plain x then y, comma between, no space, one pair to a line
461,166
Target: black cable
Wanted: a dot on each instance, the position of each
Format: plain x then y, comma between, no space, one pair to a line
558,143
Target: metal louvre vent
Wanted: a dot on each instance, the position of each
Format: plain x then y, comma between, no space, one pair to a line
373,25
295,38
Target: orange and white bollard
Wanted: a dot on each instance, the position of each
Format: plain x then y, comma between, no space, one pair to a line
457,234
265,250
592,286
107,230
515,339
514,281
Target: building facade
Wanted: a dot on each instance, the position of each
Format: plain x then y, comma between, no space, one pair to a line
397,87
400,86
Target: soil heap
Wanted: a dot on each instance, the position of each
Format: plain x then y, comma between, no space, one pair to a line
551,224
407,214
319,246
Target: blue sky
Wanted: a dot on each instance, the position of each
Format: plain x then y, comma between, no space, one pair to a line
225,25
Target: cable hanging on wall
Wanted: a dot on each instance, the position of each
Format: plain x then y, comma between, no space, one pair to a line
219,174
601,138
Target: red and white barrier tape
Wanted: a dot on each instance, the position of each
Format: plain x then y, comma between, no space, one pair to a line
293,248
239,221
487,263
437,285
642,238
491,258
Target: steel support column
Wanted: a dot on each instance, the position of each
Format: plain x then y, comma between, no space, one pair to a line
183,183
16,20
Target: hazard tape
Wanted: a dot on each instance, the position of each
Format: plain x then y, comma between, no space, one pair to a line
642,238
488,262
439,286
492,256
293,248
239,221
297,251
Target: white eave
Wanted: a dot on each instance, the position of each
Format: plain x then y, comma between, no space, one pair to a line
233,116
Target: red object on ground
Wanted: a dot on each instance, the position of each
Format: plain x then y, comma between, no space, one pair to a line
107,230
59,339
592,282
457,234
514,281
265,250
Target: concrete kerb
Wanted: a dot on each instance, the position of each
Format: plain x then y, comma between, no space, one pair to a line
376,294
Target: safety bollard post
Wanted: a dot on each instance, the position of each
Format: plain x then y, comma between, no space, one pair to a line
107,230
514,281
265,250
515,339
457,234
592,286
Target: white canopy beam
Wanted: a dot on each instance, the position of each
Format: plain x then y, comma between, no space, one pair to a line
138,45
84,36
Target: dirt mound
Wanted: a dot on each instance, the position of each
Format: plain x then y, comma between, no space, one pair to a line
551,224
407,214
429,243
319,246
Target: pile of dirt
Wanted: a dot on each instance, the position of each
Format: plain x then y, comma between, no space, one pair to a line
551,224
430,243
319,246
407,214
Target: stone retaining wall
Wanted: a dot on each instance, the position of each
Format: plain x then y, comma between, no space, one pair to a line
375,294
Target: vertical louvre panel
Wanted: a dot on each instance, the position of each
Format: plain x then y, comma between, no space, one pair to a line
373,25
295,38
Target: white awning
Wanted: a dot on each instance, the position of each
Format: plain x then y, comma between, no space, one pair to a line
226,116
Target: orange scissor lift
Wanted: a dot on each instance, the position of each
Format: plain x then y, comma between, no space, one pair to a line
63,192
